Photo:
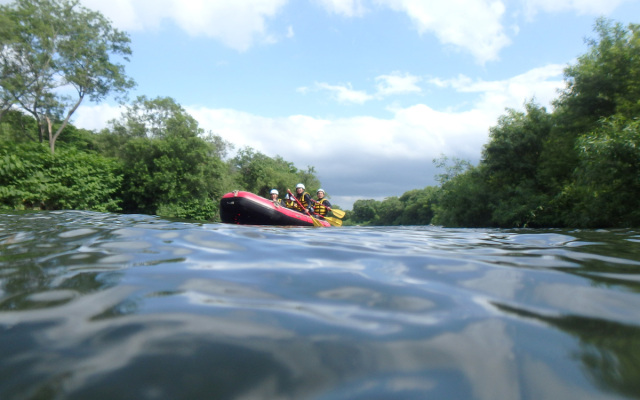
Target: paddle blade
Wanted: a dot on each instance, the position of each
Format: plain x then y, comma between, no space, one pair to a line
338,213
316,222
333,221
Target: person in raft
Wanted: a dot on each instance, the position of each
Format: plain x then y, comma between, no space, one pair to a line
321,204
304,198
274,197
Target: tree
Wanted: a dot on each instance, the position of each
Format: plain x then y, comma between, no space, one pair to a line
364,211
169,168
511,162
452,167
604,81
418,206
8,70
54,48
464,201
606,188
18,127
389,211
515,144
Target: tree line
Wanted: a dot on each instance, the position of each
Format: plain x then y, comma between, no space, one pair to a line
577,166
154,159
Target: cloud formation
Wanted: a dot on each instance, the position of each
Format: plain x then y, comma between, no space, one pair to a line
476,27
237,24
395,83
471,25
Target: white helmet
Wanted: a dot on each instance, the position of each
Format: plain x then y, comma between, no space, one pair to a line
300,185
273,191
320,190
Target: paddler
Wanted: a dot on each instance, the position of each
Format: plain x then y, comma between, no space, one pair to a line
321,204
274,197
304,198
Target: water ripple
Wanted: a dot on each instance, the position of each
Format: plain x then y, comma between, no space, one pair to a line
105,306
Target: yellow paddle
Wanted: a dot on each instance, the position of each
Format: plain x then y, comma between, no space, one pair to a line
336,212
315,221
333,221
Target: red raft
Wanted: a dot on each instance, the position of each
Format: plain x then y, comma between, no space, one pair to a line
246,208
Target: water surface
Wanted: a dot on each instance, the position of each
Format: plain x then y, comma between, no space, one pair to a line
107,306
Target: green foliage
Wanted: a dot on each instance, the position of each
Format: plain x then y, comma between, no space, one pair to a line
515,145
451,168
578,166
55,47
168,169
412,208
606,189
15,126
605,81
418,206
32,178
464,201
197,209
364,212
510,164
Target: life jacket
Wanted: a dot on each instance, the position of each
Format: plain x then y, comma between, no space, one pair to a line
302,199
320,209
289,203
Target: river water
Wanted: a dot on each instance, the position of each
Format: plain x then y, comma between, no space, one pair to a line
108,306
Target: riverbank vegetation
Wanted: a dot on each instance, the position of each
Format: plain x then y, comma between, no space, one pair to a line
575,166
154,159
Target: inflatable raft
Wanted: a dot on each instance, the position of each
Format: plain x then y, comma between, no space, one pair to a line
246,208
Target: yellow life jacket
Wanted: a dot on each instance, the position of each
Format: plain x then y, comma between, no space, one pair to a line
319,209
302,199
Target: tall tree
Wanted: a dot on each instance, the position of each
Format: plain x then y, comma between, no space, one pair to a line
604,81
170,169
53,55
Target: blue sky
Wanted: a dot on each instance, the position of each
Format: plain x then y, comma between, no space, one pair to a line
368,92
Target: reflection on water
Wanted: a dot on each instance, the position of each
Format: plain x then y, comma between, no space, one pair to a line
107,306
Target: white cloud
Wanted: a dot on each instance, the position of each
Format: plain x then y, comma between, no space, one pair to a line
290,32
473,25
236,24
347,8
344,94
95,117
590,7
541,84
397,83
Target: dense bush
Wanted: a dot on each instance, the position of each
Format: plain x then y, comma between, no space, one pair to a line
32,178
